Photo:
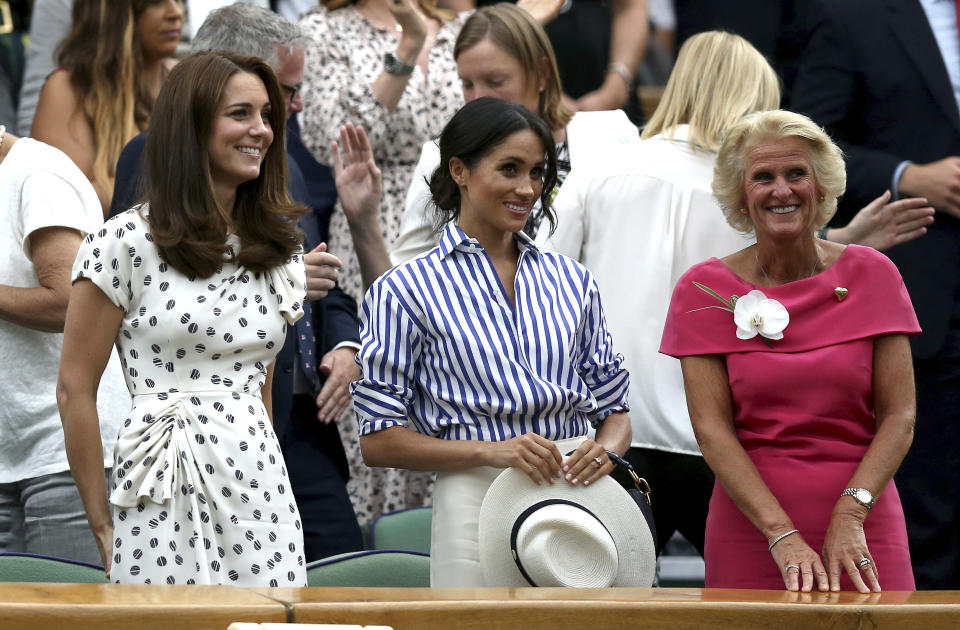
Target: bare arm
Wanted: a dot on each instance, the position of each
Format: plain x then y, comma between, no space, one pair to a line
360,189
266,392
628,42
61,122
44,308
711,412
895,407
86,350
389,88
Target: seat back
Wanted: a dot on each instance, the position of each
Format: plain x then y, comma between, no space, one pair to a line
28,567
404,529
371,568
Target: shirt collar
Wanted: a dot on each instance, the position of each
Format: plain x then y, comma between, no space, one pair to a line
453,238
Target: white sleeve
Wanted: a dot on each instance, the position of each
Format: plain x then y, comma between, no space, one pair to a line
568,238
418,233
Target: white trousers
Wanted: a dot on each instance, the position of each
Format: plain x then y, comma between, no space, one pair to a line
454,536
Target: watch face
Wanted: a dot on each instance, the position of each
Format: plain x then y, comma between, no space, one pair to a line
864,496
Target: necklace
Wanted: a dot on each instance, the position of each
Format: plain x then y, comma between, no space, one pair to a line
813,270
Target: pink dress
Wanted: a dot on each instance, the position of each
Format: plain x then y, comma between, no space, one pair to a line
803,409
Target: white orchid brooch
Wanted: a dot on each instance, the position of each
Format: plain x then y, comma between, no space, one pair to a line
754,314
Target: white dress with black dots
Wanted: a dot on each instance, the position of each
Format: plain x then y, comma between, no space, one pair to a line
200,492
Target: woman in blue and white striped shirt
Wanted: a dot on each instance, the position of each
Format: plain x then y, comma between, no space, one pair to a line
485,352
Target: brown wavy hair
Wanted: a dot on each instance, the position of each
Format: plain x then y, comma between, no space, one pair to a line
102,53
188,225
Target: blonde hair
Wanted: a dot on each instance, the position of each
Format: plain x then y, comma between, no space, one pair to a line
427,6
718,78
517,33
829,171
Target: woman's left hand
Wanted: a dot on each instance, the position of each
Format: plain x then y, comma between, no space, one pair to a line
587,464
845,549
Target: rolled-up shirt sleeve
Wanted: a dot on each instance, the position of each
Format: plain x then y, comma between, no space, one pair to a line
598,365
389,350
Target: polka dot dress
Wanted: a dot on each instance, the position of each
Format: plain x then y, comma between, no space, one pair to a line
200,491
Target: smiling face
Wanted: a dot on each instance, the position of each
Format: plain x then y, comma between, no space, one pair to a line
498,193
158,28
779,191
240,135
485,69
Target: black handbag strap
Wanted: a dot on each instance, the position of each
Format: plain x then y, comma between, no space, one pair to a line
642,486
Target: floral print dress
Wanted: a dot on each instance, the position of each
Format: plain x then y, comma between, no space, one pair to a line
343,59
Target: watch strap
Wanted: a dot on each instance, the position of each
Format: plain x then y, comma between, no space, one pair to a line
852,492
393,65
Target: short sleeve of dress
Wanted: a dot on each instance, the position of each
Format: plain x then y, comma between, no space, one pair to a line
106,258
389,347
861,295
288,283
696,321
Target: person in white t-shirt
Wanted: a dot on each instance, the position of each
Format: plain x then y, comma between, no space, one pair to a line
644,213
47,206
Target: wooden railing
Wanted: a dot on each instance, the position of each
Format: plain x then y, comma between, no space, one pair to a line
120,607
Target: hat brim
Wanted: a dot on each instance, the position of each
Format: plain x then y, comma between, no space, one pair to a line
512,492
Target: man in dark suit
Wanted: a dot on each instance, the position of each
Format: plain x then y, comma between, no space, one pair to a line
883,77
316,364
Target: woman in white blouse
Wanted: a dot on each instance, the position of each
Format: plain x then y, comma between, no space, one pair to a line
486,353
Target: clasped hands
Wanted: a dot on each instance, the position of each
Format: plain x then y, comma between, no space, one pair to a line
541,460
844,549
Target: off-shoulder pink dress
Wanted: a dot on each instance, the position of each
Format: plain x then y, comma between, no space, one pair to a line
803,409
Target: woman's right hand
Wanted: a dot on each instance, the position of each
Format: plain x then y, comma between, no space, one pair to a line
413,28
535,455
104,537
882,224
793,551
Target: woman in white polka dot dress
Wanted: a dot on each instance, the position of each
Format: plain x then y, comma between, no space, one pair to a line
195,287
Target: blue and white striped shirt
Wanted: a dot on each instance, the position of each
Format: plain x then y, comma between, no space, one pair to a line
444,350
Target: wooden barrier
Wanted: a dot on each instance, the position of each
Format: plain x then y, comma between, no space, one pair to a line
121,607
116,607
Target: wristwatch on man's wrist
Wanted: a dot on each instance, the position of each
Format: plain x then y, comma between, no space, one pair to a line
861,495
393,65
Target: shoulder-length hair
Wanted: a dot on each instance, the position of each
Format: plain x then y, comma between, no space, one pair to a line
826,159
102,53
718,78
428,6
188,225
473,133
518,34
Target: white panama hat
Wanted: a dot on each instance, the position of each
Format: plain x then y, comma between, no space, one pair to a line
563,535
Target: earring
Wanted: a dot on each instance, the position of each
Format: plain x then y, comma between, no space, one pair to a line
743,211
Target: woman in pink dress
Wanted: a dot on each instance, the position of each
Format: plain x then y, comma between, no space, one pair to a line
801,390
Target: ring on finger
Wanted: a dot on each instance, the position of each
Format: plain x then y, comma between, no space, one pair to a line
598,460
863,562
792,566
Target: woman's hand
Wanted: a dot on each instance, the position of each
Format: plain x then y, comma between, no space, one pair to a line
799,564
845,548
104,537
535,455
359,181
882,225
587,464
413,28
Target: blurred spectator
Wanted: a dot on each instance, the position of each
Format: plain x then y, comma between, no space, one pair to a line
112,64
